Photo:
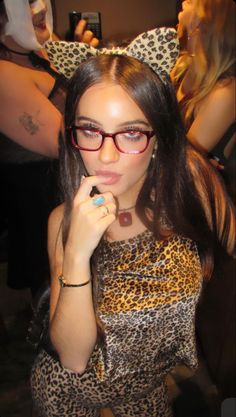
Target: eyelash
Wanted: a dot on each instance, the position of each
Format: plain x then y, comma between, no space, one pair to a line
128,128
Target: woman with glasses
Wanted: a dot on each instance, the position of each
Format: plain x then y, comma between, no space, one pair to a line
133,240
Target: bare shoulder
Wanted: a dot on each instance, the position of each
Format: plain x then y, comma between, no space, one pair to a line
213,116
55,231
223,93
55,219
16,77
11,72
9,69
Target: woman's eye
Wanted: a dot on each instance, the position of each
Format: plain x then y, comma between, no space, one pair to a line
133,135
90,133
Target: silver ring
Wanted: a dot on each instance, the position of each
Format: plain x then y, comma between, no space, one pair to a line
105,210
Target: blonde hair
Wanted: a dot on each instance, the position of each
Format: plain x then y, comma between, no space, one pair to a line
214,55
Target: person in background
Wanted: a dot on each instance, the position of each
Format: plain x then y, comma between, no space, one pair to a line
132,241
204,76
32,96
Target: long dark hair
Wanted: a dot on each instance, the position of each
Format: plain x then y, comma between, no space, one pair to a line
168,192
3,17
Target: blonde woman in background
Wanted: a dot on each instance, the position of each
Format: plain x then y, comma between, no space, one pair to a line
204,75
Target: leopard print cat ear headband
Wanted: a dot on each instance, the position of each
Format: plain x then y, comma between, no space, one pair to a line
158,48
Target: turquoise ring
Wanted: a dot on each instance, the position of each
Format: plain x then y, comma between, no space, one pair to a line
98,200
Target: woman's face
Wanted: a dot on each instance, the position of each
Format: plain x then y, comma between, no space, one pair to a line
186,17
108,107
38,13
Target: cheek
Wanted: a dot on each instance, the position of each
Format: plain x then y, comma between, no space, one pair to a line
129,164
137,165
90,160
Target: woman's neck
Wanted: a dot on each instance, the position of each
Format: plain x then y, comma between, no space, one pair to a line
20,55
14,46
192,40
117,232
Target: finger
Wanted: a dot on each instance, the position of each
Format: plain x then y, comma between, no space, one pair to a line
106,210
102,199
86,187
98,206
79,30
104,216
87,36
94,42
106,221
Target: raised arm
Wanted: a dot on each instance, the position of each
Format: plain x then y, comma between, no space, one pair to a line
213,117
27,116
73,327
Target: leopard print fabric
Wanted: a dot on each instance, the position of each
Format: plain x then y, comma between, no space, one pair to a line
158,48
147,295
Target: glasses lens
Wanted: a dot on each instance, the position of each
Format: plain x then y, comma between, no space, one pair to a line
87,138
131,141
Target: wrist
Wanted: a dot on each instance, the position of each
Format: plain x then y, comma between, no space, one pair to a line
76,259
64,283
76,269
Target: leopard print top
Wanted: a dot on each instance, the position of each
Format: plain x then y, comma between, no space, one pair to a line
147,295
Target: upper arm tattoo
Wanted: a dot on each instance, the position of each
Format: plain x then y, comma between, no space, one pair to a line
30,123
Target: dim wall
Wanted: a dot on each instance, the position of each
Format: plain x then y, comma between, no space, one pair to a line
121,19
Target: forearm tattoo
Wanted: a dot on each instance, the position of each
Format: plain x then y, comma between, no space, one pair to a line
30,123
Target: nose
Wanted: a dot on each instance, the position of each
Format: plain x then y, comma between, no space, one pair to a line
39,7
108,152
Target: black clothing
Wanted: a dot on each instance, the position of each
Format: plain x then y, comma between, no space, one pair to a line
29,191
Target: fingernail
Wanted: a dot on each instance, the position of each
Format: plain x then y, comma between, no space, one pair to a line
82,178
98,200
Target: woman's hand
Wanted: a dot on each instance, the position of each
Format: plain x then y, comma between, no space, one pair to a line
216,164
90,218
82,34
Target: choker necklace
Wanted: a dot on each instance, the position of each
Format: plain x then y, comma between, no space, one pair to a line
125,217
16,52
36,60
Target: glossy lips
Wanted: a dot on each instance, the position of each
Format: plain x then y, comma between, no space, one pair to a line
109,176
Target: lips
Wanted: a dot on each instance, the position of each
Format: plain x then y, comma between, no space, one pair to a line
110,177
41,26
39,20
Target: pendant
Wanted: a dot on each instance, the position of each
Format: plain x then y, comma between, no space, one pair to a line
125,218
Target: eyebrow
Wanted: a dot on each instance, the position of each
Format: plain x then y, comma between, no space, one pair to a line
129,122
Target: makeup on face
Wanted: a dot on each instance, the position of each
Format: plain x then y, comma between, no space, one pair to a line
110,177
107,107
30,23
37,6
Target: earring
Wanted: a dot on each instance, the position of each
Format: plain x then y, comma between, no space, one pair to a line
192,33
154,151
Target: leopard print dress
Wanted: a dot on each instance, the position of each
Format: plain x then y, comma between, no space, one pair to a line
147,295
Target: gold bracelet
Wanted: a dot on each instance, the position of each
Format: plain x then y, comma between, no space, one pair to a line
63,283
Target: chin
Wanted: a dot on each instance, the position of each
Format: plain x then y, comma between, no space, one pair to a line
42,37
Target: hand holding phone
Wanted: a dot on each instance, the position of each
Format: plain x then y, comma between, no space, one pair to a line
93,24
82,34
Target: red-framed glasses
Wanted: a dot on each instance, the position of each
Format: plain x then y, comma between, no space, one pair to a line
130,141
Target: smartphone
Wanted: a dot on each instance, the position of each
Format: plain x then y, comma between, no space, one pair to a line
93,22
